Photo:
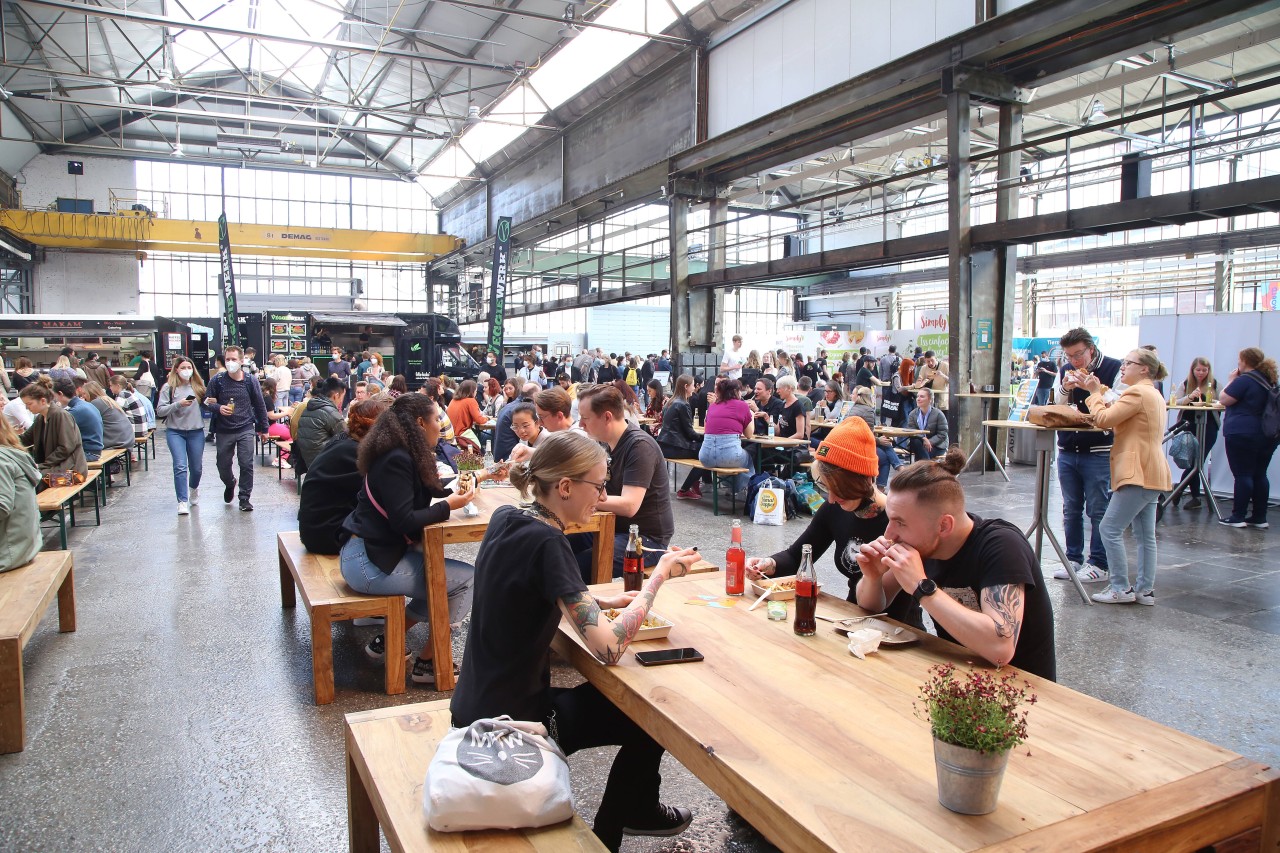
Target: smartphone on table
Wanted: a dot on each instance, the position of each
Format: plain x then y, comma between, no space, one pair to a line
665,656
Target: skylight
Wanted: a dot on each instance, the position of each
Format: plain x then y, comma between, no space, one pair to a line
574,67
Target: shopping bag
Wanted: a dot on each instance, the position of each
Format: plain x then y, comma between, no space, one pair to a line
771,508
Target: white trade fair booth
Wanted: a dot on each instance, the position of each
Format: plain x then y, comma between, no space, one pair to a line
1218,337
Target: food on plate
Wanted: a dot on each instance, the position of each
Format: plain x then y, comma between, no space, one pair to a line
650,621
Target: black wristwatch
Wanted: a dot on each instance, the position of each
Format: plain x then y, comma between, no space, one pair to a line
925,587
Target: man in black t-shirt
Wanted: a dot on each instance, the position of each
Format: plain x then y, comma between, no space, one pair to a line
766,405
1046,375
931,544
638,490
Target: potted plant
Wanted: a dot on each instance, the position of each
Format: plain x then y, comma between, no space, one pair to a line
977,718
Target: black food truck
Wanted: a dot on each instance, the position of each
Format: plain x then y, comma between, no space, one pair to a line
431,345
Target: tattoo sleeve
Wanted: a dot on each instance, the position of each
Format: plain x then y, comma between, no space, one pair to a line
1003,604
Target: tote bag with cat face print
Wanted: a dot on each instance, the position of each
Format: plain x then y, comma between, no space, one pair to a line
497,774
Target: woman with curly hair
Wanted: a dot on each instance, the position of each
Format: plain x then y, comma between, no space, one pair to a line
1249,450
401,493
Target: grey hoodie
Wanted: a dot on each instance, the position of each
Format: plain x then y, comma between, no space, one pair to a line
20,539
176,415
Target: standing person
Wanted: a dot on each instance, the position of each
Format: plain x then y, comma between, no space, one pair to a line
1084,458
96,371
20,538
633,376
729,420
664,362
1139,473
843,468
250,366
148,376
382,537
933,545
531,372
283,376
752,370
637,490
241,412
309,372
933,375
888,364
340,367
733,359
54,437
297,381
494,367
906,397
184,430
926,417
608,372
86,417
1249,448
1046,373
1199,386
519,605
676,437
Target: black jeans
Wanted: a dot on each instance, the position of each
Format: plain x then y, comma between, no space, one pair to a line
1249,456
584,718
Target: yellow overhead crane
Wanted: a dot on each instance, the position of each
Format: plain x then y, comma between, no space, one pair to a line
139,231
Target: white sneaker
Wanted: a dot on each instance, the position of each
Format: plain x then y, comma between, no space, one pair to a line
183,509
1092,574
1111,596
285,466
1061,573
1148,598
194,497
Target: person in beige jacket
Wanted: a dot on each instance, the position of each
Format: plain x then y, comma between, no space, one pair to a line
1139,473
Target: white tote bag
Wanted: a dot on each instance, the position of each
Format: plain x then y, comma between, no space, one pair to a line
771,506
497,774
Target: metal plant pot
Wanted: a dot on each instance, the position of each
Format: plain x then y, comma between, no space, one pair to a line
968,780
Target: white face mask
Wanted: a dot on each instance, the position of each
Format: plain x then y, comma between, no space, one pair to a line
185,373
233,366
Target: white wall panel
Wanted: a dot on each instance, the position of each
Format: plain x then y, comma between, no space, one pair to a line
810,45
1003,6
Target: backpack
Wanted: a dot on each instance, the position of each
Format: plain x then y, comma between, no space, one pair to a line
1271,411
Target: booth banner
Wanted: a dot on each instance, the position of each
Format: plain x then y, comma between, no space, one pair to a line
230,328
498,285
837,344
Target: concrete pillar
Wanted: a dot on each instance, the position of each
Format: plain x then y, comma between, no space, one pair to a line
1222,281
717,259
959,255
678,267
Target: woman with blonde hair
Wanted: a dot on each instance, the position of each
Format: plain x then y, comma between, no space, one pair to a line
20,538
62,369
518,606
179,405
116,429
1139,473
1199,386
1249,449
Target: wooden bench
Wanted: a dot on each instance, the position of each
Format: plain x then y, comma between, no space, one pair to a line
25,594
388,752
716,474
61,500
108,456
140,448
328,599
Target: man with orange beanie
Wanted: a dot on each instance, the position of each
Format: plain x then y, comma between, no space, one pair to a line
845,466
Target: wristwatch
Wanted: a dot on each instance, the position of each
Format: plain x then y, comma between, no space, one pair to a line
925,587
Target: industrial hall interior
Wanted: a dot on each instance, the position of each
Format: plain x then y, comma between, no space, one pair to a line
681,426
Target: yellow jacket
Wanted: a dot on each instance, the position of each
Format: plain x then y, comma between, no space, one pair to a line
1137,420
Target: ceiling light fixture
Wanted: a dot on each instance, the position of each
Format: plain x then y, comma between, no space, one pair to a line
900,165
1097,112
237,142
570,28
473,116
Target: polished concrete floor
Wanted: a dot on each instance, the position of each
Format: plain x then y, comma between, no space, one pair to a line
179,715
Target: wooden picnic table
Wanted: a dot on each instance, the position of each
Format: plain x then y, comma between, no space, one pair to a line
61,500
821,751
460,528
899,432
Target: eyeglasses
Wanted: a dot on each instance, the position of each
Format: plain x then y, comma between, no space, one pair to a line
1134,363
600,487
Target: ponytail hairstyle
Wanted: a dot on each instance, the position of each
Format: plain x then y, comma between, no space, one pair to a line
934,481
559,455
362,415
397,429
1148,359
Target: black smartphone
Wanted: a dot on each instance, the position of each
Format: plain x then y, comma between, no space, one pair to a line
191,396
668,656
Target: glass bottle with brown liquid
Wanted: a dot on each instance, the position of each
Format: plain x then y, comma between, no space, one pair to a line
633,562
806,624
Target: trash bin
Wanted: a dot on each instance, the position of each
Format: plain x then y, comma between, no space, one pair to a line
1024,447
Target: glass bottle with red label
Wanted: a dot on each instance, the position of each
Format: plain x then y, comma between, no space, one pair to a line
735,563
633,562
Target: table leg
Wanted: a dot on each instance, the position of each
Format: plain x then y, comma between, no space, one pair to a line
128,470
362,821
1202,462
1040,526
62,526
602,550
438,606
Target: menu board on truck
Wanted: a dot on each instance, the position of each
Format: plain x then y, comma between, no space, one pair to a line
286,333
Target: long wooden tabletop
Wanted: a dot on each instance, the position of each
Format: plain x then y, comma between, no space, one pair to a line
821,751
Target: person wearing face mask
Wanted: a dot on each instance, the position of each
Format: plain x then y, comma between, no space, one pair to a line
845,468
932,545
184,430
493,367
241,412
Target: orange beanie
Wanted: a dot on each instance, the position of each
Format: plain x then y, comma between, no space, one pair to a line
851,446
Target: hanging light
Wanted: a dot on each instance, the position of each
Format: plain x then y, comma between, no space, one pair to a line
900,165
1096,112
570,28
473,116
177,146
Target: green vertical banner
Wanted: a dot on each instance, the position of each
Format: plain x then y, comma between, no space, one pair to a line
230,328
498,283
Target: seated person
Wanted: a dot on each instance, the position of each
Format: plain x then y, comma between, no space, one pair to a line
321,420
54,437
333,482
117,431
555,410
928,418
844,466
20,538
524,423
504,439
131,403
86,417
931,543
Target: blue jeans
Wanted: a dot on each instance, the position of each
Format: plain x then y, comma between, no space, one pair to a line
1137,506
1085,481
889,462
408,578
923,449
296,394
186,446
725,451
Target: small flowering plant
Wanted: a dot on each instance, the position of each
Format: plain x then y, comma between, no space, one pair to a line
468,461
978,710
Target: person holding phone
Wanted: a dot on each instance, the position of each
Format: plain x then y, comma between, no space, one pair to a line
519,604
184,430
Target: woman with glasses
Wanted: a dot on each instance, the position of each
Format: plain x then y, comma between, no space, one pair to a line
1139,472
526,580
844,470
524,423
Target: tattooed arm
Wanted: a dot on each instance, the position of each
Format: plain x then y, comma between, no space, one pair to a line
609,640
991,632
